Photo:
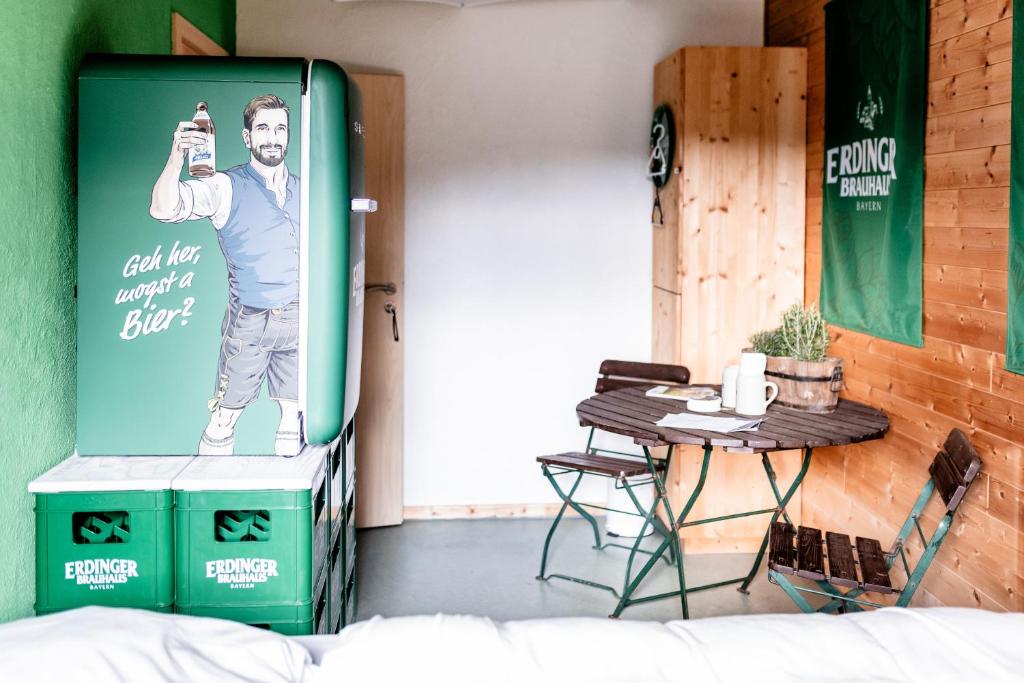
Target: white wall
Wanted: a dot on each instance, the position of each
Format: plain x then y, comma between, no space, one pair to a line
527,235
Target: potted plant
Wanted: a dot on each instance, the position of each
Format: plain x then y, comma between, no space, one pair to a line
798,361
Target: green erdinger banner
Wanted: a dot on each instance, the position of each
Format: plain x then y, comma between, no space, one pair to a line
875,80
1015,306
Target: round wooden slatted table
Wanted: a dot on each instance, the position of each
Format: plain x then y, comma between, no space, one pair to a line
630,412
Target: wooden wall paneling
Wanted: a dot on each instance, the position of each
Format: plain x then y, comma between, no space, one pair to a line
969,90
973,287
379,420
957,378
952,19
966,247
982,329
981,207
973,50
968,168
982,127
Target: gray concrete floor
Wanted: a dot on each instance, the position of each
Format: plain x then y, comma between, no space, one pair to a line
487,567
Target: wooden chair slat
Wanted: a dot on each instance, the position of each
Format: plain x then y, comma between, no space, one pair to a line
654,373
873,567
947,479
600,464
606,384
781,553
841,568
963,455
810,560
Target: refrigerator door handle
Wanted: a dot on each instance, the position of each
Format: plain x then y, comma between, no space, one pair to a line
364,205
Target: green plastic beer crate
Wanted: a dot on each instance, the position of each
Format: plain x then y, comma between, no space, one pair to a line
300,619
252,538
343,560
335,471
342,468
104,533
303,618
350,601
335,587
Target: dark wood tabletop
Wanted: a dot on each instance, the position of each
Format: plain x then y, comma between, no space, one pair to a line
630,413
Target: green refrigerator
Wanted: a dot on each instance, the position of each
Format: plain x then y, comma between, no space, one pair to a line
221,255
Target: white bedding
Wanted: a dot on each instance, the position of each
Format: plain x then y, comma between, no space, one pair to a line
927,645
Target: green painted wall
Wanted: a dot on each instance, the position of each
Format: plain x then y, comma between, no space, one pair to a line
43,43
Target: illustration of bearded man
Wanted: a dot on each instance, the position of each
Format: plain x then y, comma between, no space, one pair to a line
254,208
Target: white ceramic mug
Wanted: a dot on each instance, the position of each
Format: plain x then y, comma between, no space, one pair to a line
751,398
752,363
729,375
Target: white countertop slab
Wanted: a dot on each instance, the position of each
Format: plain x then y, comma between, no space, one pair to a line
110,473
252,472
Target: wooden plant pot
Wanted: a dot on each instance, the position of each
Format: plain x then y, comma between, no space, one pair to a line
812,386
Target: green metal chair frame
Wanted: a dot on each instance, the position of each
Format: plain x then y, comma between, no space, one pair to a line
952,471
616,375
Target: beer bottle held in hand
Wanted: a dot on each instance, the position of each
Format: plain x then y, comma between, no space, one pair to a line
202,159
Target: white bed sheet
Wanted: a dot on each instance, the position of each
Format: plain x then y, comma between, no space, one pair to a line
926,645
110,645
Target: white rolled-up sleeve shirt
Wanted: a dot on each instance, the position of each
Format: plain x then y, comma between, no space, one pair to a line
204,198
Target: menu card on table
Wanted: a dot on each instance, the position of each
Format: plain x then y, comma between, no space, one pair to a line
711,423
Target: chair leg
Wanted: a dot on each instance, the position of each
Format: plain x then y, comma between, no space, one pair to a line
779,511
790,590
922,564
575,506
558,517
842,601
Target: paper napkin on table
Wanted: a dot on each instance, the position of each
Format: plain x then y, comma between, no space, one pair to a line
709,423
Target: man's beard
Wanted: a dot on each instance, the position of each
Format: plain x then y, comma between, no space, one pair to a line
260,154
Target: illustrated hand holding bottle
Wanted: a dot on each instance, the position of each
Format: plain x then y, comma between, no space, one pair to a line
751,386
194,139
186,136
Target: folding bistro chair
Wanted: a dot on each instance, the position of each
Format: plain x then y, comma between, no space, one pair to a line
600,462
834,561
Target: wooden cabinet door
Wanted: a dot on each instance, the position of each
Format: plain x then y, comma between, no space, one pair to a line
379,418
730,257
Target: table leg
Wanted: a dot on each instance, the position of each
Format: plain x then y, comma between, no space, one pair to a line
673,540
649,516
781,510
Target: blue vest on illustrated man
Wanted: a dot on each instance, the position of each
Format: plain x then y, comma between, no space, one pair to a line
260,241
